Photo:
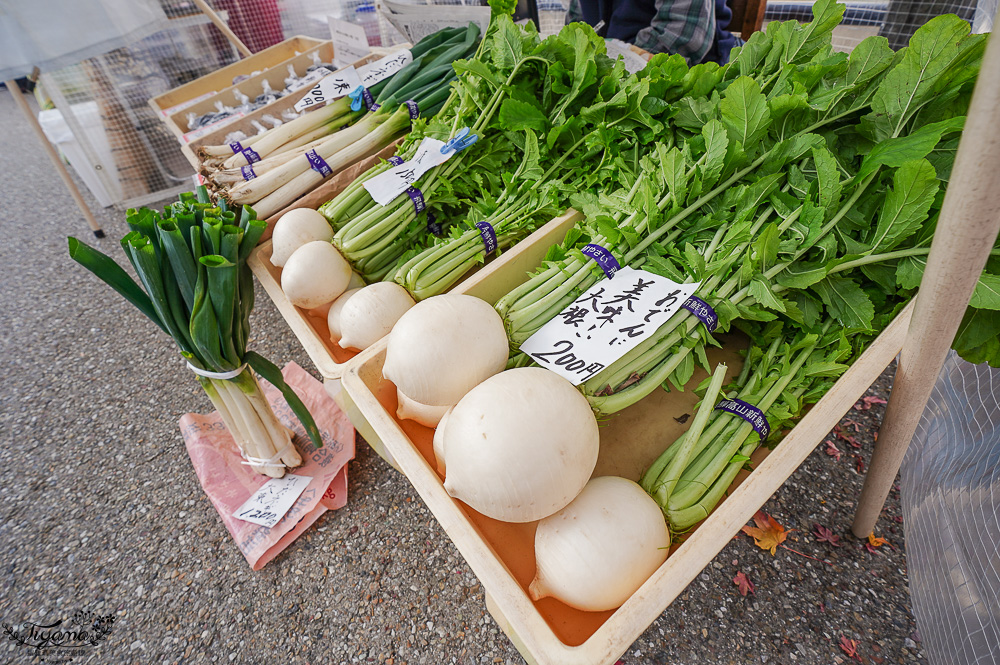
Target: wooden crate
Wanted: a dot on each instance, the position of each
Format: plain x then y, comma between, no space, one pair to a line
245,124
548,632
223,78
311,329
177,121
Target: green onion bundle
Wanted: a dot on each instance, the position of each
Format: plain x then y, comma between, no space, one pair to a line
197,288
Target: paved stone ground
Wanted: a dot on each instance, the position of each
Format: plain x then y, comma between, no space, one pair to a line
101,510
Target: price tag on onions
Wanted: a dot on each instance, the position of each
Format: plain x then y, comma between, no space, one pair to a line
272,500
610,319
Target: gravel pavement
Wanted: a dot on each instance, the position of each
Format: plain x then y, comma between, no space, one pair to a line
101,510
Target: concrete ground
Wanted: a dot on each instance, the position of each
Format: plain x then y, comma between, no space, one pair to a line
102,511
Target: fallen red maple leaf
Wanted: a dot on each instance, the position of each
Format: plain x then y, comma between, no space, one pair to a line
850,423
849,647
824,535
745,585
859,464
768,534
867,401
832,450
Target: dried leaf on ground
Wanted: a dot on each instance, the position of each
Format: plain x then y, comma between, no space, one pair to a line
832,450
824,535
850,647
852,423
768,534
868,401
859,464
745,585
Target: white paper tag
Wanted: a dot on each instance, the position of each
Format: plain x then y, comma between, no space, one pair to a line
387,185
384,67
349,41
331,86
610,319
272,500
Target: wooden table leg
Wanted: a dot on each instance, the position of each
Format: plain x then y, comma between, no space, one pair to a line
966,232
54,156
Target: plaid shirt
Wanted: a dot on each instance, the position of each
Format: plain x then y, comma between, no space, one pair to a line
680,26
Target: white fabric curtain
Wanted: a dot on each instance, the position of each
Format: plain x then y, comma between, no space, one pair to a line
51,34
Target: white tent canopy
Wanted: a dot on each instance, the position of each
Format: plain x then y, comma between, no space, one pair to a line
51,34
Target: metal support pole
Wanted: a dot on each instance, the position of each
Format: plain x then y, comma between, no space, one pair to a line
965,234
54,156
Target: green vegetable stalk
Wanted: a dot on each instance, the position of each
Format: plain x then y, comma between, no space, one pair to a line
196,286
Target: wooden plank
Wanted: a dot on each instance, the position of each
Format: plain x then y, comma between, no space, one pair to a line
223,78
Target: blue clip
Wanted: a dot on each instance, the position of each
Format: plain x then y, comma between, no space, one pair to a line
460,142
356,97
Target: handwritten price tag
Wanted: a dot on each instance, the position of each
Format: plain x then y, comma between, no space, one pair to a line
387,185
349,41
330,86
274,498
384,67
610,319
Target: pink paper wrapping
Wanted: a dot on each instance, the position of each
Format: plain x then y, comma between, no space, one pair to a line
229,483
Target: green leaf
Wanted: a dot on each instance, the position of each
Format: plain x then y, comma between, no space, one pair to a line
745,113
477,68
673,168
506,43
800,280
716,142
805,42
270,373
905,208
760,291
684,372
114,276
910,271
518,116
987,292
937,51
789,150
827,176
978,327
916,145
530,169
846,301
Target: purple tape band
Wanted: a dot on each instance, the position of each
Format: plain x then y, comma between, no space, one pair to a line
603,258
432,225
251,155
375,107
413,108
317,164
488,235
747,412
418,199
247,172
369,100
236,147
395,161
703,311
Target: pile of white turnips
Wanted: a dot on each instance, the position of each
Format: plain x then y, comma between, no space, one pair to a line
518,445
521,445
316,277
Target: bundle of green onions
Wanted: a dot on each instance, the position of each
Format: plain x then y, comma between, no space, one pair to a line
191,261
288,172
